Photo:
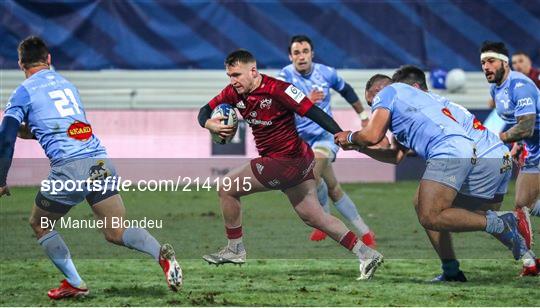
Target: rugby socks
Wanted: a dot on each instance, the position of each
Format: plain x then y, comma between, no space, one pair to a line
322,195
347,208
494,224
141,240
349,240
58,252
234,235
535,211
450,267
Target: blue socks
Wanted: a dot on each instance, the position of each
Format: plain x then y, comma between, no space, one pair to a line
322,195
58,252
346,207
494,224
139,239
450,267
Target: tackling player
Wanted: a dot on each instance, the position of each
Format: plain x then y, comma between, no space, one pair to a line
317,80
268,105
52,110
517,102
484,141
455,171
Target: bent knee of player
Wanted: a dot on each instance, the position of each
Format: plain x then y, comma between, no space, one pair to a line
114,235
314,218
428,221
36,225
335,192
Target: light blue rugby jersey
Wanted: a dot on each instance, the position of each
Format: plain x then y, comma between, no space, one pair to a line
518,96
322,78
417,119
484,139
50,105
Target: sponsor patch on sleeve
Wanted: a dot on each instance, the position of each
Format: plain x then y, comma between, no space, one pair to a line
295,93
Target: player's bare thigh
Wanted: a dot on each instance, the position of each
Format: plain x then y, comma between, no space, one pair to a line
480,208
107,210
527,189
433,198
41,220
243,182
303,198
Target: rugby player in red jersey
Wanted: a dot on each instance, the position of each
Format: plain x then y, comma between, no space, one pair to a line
286,162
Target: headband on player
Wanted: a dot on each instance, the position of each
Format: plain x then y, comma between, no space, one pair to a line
492,54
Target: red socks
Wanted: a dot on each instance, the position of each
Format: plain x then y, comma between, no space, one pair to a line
349,240
234,233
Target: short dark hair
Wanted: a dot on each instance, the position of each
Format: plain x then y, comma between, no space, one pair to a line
376,78
32,52
239,56
521,52
410,74
497,47
300,38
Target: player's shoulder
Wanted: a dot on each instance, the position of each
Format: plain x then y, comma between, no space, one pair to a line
519,80
20,93
274,83
323,69
286,73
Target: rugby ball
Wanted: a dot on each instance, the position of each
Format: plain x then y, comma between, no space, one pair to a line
456,80
231,118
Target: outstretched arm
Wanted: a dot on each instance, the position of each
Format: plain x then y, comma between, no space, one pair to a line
320,117
8,136
372,134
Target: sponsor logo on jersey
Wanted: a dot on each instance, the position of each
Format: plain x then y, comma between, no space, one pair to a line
519,85
478,125
294,93
241,105
527,101
266,103
80,131
8,105
258,122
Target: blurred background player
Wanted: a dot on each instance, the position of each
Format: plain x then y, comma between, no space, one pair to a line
484,141
455,172
517,101
317,80
268,105
52,111
521,62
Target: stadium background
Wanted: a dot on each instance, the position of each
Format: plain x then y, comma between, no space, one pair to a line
144,67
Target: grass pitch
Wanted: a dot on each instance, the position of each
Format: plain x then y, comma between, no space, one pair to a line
283,268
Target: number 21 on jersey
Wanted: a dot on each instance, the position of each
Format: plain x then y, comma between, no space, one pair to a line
65,102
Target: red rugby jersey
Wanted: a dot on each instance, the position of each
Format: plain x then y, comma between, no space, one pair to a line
269,110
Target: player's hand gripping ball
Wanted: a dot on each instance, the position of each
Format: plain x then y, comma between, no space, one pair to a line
229,117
